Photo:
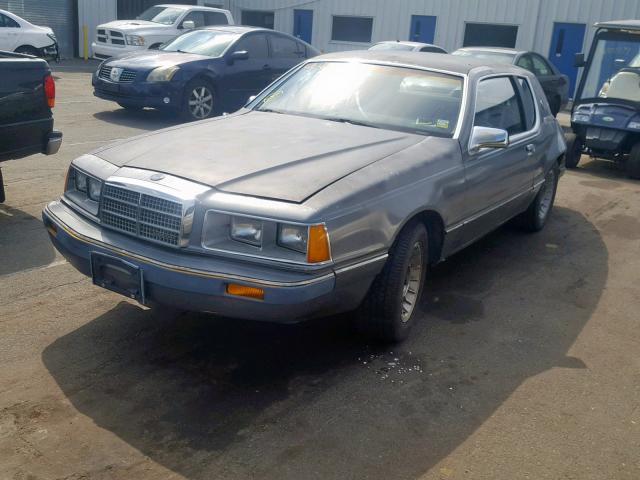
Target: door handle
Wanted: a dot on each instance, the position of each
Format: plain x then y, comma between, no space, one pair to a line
531,148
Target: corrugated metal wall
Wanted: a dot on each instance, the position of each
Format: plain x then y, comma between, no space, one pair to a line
92,13
534,18
60,15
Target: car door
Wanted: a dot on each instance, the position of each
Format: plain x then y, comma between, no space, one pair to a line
553,84
499,181
244,78
286,53
10,33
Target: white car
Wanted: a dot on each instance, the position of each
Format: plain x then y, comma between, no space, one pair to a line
18,35
154,27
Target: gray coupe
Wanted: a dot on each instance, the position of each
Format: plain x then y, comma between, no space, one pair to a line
331,191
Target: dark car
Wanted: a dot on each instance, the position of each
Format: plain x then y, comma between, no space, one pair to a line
554,83
27,95
408,47
202,73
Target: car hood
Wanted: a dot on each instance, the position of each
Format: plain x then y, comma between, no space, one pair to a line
134,25
260,154
149,59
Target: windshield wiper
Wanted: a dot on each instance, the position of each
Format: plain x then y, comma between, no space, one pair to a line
350,121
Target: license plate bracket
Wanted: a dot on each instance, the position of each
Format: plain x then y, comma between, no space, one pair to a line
118,275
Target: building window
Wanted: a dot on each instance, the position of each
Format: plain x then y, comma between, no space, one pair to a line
490,35
258,18
352,29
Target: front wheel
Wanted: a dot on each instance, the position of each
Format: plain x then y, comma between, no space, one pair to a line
633,162
535,217
389,310
574,150
199,100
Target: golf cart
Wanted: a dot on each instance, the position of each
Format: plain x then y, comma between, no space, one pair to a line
606,111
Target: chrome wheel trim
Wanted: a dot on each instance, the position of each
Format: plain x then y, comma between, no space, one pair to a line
200,102
546,197
412,281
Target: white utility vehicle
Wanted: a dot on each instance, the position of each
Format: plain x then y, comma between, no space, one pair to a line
153,27
18,35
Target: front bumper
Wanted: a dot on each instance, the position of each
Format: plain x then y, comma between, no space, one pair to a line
139,94
103,51
198,282
50,52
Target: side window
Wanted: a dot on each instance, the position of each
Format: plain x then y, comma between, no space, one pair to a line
215,18
526,63
497,106
283,47
528,104
8,22
195,17
255,44
540,66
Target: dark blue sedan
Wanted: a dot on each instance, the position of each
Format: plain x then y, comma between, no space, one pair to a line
202,73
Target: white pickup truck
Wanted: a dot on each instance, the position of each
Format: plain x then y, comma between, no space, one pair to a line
154,27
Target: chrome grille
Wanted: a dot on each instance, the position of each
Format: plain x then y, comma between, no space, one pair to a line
127,76
142,215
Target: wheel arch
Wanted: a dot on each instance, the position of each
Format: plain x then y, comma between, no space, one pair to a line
434,223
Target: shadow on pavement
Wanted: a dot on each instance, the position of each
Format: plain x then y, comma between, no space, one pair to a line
144,119
216,398
24,242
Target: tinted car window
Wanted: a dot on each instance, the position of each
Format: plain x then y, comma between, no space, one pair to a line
540,67
164,15
215,18
8,22
528,103
203,42
526,63
255,45
196,17
497,106
283,47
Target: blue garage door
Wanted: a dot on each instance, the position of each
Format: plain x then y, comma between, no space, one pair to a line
566,41
303,24
423,28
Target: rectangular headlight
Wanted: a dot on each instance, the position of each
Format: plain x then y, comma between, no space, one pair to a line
294,237
81,181
95,189
247,230
581,117
136,40
634,125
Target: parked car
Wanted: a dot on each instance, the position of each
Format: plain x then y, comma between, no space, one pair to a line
155,26
605,121
554,83
27,95
18,35
408,47
333,190
201,73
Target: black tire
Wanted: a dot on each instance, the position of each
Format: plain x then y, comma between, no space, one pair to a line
383,315
633,162
574,150
2,195
535,217
194,88
28,50
133,108
554,105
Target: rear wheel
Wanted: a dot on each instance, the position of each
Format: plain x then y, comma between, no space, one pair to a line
574,150
389,310
535,217
633,162
198,100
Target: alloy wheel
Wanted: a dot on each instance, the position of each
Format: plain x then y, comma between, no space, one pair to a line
200,102
412,281
546,197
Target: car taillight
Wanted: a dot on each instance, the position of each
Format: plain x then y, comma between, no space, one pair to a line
50,91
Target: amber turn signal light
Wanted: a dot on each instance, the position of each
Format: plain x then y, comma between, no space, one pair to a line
318,249
244,291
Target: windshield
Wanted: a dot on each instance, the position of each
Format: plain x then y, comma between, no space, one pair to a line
164,15
492,57
391,46
395,98
203,42
614,68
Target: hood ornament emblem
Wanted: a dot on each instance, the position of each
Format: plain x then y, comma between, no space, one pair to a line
156,177
115,74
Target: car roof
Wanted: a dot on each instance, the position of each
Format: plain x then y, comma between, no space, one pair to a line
620,24
185,7
408,43
437,61
492,50
237,28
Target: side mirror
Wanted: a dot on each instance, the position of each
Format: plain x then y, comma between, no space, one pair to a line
578,61
238,55
485,137
188,25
